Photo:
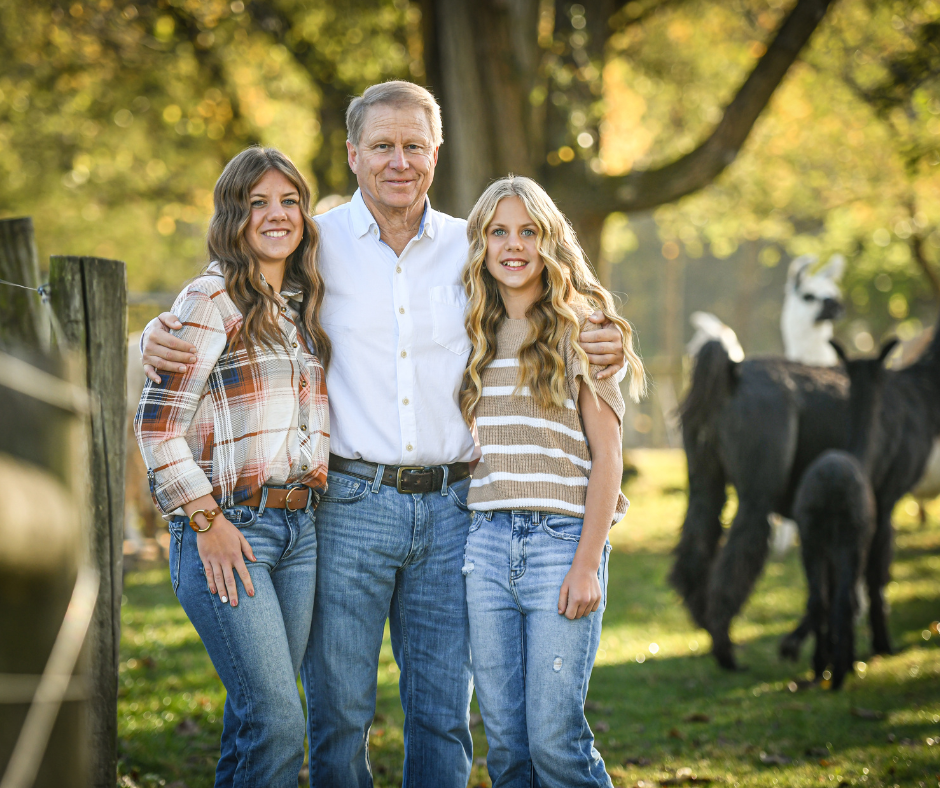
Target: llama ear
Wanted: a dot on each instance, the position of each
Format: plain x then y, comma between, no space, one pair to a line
887,347
834,269
799,266
840,351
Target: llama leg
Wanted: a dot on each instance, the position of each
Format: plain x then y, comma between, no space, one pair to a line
812,568
877,574
701,533
842,617
821,619
736,569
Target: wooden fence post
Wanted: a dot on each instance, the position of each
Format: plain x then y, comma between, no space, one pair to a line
89,297
21,321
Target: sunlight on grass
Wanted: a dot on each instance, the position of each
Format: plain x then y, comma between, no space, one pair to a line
660,708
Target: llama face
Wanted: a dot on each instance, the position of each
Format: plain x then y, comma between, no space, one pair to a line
811,302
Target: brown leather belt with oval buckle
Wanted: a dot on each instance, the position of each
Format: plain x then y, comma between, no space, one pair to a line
411,479
291,499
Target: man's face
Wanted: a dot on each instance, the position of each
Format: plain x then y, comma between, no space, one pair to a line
395,158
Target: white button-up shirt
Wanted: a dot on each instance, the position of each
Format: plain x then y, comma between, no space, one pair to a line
399,342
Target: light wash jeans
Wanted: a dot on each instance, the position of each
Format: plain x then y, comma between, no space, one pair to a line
531,666
257,646
388,555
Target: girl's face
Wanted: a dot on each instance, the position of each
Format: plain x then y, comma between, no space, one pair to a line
276,226
512,255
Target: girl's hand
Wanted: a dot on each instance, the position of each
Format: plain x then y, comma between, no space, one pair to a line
221,549
580,593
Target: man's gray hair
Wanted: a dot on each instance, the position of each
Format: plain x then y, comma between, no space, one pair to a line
396,94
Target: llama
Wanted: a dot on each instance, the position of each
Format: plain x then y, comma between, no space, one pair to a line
835,509
758,425
811,302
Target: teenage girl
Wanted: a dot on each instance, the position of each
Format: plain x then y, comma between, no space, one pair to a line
546,491
237,446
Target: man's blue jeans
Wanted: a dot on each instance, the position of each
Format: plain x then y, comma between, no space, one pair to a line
257,646
385,554
530,664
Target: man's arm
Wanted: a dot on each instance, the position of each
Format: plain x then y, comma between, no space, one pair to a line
159,349
604,347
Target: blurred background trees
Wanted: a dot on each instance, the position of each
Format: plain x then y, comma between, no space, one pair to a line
116,118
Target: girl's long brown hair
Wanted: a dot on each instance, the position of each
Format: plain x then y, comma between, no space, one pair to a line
228,246
570,289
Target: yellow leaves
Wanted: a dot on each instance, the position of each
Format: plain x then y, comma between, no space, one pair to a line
164,27
679,30
172,113
624,138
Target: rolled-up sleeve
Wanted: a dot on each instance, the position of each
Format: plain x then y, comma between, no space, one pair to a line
167,409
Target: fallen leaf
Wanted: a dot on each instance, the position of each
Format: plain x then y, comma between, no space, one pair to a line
772,759
824,762
601,727
867,714
696,717
675,733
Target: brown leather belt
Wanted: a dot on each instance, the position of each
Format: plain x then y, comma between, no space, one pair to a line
416,479
293,499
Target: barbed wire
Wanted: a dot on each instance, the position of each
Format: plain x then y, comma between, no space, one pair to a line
45,293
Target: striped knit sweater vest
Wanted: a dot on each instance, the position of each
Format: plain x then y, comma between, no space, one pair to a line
534,458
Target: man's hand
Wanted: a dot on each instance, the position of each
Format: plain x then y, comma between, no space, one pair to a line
603,345
164,351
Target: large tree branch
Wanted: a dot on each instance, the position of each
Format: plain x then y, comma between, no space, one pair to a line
583,193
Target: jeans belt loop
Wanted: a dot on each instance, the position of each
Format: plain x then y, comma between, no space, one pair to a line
310,495
444,485
264,500
536,517
377,482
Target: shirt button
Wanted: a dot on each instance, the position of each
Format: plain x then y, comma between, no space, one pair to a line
398,269
409,447
303,427
401,310
404,401
303,384
303,467
293,344
284,309
404,354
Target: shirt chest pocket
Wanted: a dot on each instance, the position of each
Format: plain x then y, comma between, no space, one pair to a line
448,305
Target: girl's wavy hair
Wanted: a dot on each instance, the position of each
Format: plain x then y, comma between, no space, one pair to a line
570,289
228,246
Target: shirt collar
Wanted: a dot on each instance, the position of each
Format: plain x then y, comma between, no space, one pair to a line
214,269
363,221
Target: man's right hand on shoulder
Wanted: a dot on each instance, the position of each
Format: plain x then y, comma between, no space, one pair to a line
161,350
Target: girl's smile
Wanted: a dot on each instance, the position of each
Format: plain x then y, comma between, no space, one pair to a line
512,256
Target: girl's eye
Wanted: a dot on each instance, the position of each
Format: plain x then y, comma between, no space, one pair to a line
499,231
528,232
290,201
257,204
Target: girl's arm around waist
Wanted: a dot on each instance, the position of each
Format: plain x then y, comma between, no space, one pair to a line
581,591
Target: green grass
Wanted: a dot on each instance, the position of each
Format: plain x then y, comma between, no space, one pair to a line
661,709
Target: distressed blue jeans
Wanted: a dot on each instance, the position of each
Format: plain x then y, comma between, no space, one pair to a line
396,556
531,666
257,646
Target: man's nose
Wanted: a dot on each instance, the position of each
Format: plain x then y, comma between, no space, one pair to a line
398,162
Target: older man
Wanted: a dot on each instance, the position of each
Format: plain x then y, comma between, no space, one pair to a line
392,527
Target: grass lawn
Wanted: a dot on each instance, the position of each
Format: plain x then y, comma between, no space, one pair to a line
663,713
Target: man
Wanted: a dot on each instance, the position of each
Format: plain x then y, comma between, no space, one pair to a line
392,527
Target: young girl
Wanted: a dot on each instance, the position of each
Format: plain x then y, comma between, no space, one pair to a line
237,448
546,491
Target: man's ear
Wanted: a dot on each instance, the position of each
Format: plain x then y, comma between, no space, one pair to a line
352,156
436,151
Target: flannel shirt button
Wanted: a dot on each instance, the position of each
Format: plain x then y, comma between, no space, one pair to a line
284,309
303,384
303,467
293,344
303,427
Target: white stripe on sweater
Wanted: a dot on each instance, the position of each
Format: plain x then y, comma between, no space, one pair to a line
508,391
504,362
527,421
527,503
533,449
524,478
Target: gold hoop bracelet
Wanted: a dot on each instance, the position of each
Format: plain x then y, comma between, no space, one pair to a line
209,515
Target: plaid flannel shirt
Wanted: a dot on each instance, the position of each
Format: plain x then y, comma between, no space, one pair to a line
228,425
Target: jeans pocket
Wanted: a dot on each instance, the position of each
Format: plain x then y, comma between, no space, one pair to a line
476,522
241,516
560,526
458,493
176,551
341,488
